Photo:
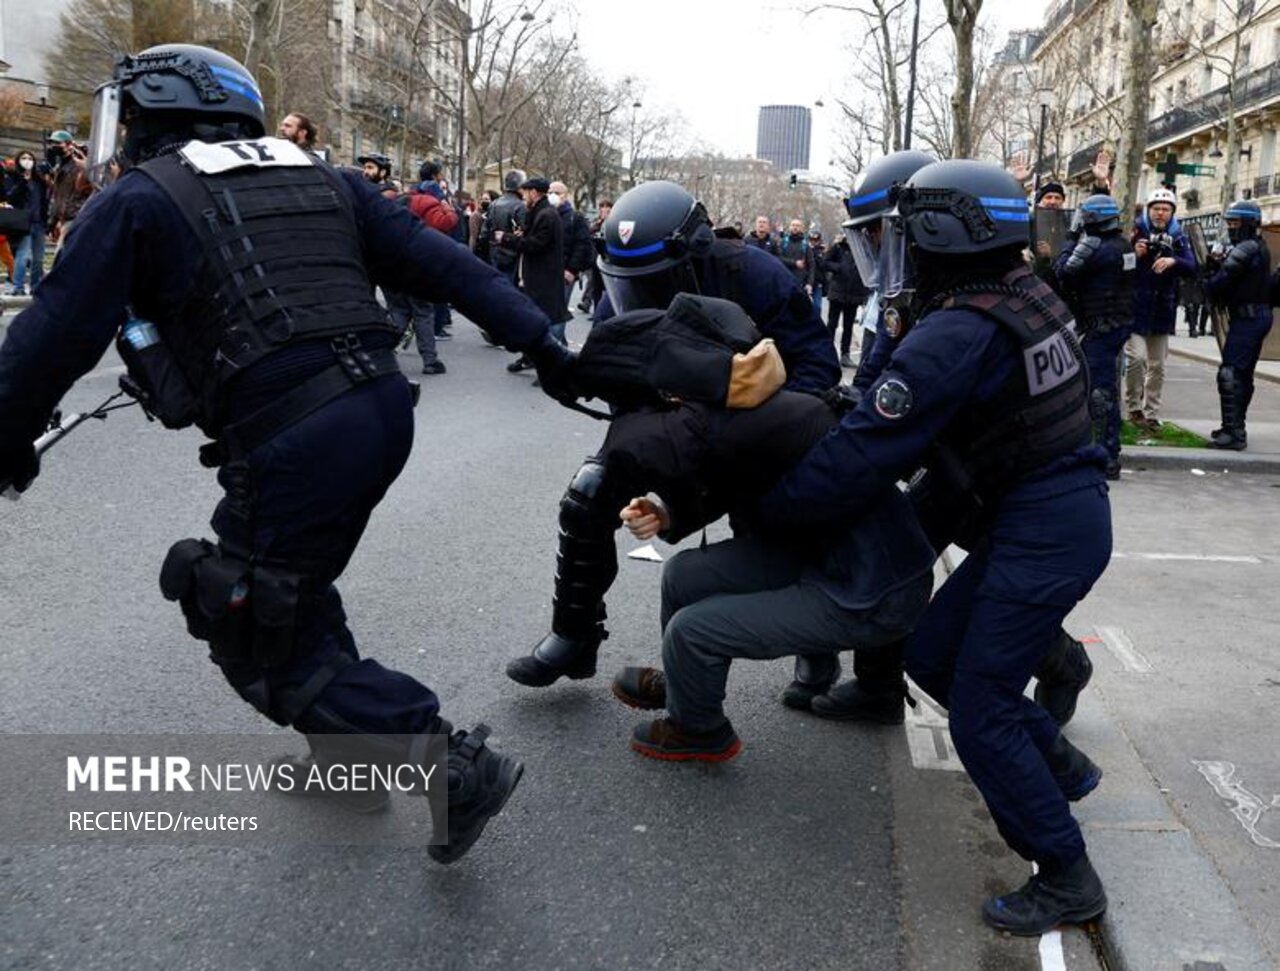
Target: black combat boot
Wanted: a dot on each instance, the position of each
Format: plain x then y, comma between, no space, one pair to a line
875,695
815,674
1064,895
1061,676
480,783
1231,436
1075,773
556,656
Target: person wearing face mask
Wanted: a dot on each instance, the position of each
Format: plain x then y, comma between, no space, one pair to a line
579,253
25,189
71,185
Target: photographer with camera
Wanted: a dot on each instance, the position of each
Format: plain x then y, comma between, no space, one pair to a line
1164,257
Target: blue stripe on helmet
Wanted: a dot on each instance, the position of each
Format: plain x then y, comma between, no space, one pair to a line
1242,213
642,251
239,83
870,197
1009,217
1003,202
1108,208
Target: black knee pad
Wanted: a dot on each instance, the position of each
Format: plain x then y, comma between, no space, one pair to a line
1228,380
586,506
1100,403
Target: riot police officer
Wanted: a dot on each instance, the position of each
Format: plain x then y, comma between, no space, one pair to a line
1241,284
877,691
867,206
658,242
1096,271
254,263
988,392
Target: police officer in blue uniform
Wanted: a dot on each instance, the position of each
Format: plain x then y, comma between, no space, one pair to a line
1097,273
658,242
877,691
1242,285
255,262
988,392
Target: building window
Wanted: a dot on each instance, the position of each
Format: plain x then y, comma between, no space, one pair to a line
1206,79
1182,91
1246,50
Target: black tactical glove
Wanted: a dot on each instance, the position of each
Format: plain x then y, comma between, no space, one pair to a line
555,364
19,465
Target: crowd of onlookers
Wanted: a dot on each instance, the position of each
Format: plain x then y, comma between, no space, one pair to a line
39,200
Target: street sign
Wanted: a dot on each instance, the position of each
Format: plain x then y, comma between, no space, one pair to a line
1196,170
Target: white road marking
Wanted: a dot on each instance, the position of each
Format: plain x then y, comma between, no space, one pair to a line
1188,558
1248,809
1051,956
1118,643
928,738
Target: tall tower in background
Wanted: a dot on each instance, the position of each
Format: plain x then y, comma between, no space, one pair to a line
782,136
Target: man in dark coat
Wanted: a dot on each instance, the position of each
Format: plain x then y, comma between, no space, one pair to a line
845,294
540,247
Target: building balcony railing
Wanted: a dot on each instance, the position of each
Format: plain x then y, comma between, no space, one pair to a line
1266,185
1211,108
1082,161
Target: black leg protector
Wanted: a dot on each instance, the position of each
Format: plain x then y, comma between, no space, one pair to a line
1061,676
1230,389
586,565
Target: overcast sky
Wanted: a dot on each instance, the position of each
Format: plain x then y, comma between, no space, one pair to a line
718,61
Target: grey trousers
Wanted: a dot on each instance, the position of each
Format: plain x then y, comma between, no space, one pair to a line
746,598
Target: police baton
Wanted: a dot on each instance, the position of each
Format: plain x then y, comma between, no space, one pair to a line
60,428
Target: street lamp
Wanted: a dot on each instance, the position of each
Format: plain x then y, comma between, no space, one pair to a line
1043,98
42,94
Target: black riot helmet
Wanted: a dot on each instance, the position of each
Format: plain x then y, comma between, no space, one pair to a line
961,206
647,245
1247,216
869,204
173,91
870,199
1097,216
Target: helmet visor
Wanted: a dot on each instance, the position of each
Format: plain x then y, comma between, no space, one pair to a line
648,291
895,266
104,133
866,252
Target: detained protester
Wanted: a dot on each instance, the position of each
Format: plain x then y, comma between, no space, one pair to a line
280,354
988,392
658,242
1241,284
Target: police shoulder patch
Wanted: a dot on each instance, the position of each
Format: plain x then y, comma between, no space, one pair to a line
893,398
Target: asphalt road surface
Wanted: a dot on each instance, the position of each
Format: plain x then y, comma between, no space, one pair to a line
821,846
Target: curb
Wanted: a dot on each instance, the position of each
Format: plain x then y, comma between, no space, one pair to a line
1216,361
1206,459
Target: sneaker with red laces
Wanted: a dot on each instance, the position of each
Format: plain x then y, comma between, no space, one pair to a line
664,739
643,688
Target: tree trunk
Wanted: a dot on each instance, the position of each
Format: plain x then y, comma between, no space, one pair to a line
1136,85
962,97
1232,162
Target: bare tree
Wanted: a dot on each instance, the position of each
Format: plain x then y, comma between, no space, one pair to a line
1227,59
1142,16
962,18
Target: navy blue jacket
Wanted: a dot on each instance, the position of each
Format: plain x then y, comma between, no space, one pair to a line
780,310
1243,278
947,361
1099,287
131,247
1155,299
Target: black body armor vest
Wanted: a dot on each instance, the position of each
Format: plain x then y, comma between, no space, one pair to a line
1042,412
1105,300
282,261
